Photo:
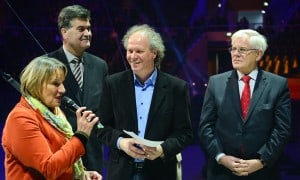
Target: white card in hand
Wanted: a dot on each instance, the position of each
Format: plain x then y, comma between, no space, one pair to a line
142,140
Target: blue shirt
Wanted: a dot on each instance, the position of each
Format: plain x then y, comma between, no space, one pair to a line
143,97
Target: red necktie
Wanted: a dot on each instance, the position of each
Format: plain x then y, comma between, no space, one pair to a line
245,99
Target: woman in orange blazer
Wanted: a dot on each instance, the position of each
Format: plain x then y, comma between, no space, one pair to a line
37,139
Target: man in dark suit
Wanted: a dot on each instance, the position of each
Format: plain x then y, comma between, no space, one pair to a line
245,140
149,102
75,28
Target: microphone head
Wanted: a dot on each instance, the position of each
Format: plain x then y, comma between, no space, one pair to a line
69,103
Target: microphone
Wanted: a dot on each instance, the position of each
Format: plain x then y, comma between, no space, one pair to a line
12,81
70,104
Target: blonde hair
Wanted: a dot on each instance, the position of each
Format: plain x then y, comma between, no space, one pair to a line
37,72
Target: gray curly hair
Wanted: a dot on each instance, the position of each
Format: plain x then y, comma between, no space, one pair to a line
155,41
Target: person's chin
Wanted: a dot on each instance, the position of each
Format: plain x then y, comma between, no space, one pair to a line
236,65
135,69
85,44
135,66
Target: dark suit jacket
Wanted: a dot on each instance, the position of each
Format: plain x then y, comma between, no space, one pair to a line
264,133
168,121
95,71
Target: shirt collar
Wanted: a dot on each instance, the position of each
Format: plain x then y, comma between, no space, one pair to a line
70,56
150,81
252,74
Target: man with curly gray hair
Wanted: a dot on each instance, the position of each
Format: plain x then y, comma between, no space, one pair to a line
150,103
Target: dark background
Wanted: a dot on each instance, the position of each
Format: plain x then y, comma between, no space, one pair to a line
194,33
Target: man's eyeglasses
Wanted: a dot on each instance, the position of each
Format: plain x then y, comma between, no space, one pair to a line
240,50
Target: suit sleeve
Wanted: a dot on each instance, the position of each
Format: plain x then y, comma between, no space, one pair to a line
182,134
206,131
272,149
108,135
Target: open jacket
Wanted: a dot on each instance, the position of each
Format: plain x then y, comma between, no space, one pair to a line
168,121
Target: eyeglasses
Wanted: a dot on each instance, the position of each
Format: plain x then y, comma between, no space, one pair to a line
240,50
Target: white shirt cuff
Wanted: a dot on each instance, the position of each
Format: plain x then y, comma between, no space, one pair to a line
218,157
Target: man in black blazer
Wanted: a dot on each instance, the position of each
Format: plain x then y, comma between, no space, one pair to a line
251,145
75,28
149,102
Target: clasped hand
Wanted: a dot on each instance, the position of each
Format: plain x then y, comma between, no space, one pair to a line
91,175
138,151
239,166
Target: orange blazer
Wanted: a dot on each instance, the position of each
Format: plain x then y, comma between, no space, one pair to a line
34,149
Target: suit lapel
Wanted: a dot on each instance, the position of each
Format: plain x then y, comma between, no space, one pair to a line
87,79
159,93
259,88
232,92
128,97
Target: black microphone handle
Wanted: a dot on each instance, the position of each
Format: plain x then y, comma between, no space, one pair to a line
70,104
10,80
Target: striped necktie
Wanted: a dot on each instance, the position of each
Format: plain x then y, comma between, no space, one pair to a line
77,71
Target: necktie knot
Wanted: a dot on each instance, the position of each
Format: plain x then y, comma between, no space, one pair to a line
246,79
76,61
